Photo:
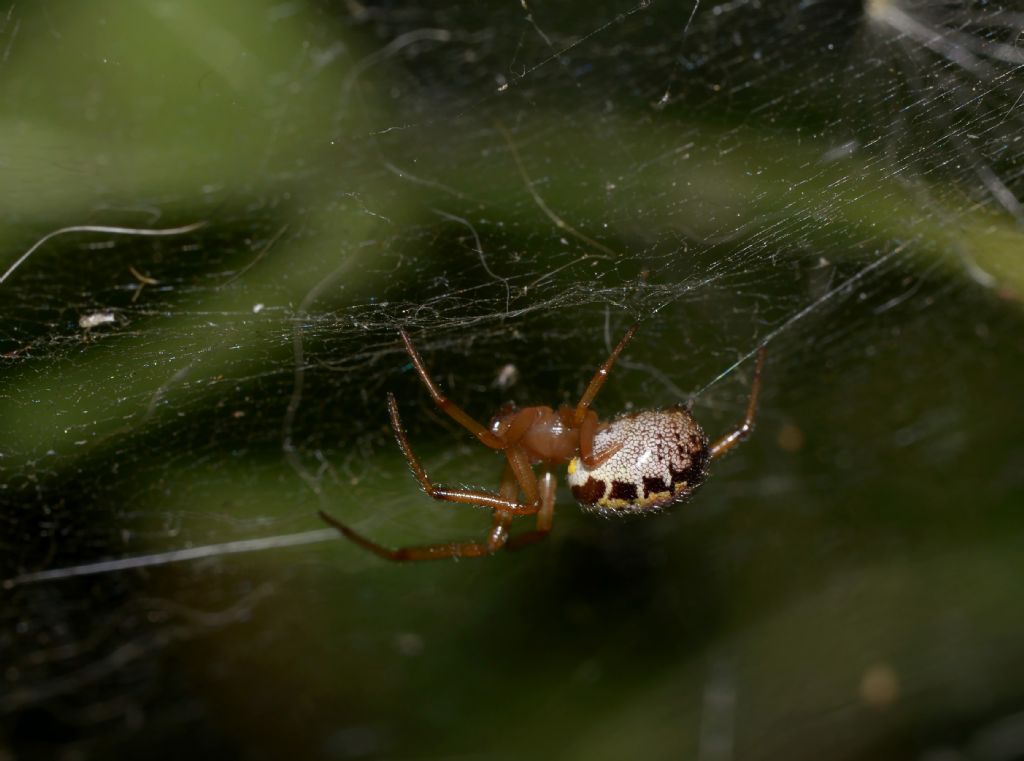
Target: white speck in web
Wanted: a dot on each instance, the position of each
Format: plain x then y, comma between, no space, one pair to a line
95,319
508,376
257,308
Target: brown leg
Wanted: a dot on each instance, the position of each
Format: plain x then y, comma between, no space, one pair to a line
521,423
447,406
463,496
495,539
740,433
521,469
600,377
545,517
587,431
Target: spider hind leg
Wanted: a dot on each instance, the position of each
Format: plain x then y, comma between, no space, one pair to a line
495,541
742,432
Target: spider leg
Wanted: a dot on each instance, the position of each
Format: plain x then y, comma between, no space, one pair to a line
740,433
588,430
521,469
500,502
545,517
600,377
496,539
520,424
445,404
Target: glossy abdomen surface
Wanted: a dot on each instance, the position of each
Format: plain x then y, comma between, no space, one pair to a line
663,457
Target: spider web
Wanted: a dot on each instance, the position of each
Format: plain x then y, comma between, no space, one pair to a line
218,216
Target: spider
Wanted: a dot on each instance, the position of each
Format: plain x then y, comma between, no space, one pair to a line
639,462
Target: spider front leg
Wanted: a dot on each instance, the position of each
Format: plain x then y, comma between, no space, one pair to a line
600,377
496,539
519,466
445,404
740,433
588,430
585,419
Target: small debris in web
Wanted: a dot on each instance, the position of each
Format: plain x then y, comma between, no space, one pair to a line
144,280
95,319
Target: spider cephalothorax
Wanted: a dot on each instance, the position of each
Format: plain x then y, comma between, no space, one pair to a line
637,462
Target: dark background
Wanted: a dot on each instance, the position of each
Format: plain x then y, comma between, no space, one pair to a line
515,183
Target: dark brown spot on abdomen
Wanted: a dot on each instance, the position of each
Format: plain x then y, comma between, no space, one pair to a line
590,492
692,475
655,485
624,491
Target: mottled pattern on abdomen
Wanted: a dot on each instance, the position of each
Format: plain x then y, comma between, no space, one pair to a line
663,458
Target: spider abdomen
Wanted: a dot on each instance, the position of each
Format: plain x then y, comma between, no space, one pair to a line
663,456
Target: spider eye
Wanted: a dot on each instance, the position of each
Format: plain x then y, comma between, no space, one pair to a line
662,458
